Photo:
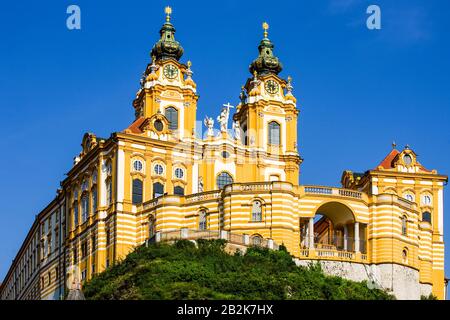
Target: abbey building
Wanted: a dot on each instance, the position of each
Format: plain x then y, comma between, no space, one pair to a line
234,176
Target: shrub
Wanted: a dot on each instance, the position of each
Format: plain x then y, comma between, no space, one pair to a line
184,271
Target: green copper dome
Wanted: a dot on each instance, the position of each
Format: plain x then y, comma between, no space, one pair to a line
266,62
167,47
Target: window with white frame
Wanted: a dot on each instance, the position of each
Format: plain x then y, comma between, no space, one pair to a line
75,213
256,211
223,179
179,173
138,166
426,200
409,197
172,116
137,191
202,220
158,169
404,225
274,133
109,191
426,216
84,208
94,199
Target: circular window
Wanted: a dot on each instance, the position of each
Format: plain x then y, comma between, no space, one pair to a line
225,154
137,165
159,169
407,159
158,125
179,173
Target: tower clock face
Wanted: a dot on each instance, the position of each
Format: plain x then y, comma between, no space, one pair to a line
271,86
170,71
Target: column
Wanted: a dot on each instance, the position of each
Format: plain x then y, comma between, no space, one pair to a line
345,238
356,236
223,234
246,239
311,233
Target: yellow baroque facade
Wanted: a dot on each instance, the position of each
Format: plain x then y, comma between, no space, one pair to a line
165,177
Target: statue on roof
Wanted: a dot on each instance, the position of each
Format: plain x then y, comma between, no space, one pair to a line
223,117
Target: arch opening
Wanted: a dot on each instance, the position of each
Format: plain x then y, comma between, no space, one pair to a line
333,227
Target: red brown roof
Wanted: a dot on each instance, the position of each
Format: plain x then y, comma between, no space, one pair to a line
134,127
387,162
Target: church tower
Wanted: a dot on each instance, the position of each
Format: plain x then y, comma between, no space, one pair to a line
167,100
267,114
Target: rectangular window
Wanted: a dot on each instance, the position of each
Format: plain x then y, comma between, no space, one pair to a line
84,208
137,191
109,192
93,243
94,199
84,250
274,133
75,213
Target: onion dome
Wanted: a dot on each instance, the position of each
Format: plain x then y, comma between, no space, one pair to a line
167,47
266,62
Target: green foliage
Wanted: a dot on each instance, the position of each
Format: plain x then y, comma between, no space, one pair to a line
206,271
430,297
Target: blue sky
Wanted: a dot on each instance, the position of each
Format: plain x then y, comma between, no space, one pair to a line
357,89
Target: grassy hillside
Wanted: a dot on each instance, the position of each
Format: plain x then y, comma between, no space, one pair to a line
184,271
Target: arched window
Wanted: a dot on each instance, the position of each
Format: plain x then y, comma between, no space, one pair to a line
202,220
84,208
178,191
405,255
172,115
94,199
426,216
404,226
257,240
223,179
158,189
409,197
426,200
256,211
274,133
75,213
137,191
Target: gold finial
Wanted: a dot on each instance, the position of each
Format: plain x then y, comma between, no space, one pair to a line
168,11
289,79
393,144
189,64
255,74
265,26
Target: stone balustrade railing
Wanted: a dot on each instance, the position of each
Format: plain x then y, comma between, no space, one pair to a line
334,191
